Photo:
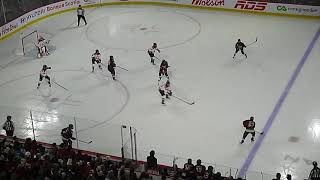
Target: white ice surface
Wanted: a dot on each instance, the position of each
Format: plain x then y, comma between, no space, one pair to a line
198,46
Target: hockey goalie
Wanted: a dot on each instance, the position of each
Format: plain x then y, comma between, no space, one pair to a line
42,47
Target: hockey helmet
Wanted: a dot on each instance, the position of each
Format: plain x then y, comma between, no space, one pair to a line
111,57
44,67
189,161
251,118
154,45
97,50
199,162
315,163
71,126
239,40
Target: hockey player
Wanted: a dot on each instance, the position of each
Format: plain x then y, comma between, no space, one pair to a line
199,170
66,135
163,69
151,52
249,125
164,89
44,74
111,66
188,170
239,47
96,59
42,47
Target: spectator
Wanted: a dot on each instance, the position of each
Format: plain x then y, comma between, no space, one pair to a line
288,176
217,176
144,176
315,172
200,169
188,169
209,173
152,161
278,176
132,175
8,126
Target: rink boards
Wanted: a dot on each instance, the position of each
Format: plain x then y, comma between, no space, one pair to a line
266,8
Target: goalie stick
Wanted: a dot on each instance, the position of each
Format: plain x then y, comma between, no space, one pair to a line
253,42
187,102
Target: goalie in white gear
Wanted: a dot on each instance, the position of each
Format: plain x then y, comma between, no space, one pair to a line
44,74
96,59
151,52
42,47
164,89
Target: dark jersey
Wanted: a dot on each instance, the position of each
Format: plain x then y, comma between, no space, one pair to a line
111,64
199,170
240,45
164,65
249,125
66,133
315,174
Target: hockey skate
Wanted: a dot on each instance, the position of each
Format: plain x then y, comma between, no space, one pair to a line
242,141
252,139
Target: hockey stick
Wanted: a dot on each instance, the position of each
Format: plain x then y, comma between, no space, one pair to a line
60,85
85,141
259,132
122,68
253,42
190,103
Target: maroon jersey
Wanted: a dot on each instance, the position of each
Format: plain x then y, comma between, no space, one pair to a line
249,125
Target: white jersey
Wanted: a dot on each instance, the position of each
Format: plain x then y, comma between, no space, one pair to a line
163,85
43,73
42,42
153,50
96,56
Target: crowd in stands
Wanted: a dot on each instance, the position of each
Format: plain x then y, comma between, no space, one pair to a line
29,160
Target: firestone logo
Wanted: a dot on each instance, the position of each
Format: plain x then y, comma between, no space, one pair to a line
208,2
251,5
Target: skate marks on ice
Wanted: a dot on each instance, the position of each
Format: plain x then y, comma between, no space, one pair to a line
145,33
49,99
120,86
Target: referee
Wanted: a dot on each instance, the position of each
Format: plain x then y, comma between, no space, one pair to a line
80,13
315,172
8,126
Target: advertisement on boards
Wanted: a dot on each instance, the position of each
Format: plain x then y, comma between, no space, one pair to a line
204,3
294,9
251,5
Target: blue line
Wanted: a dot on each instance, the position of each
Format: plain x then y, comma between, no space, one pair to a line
278,106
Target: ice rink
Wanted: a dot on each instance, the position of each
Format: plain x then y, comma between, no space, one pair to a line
198,46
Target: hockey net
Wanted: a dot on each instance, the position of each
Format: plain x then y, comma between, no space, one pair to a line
28,42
